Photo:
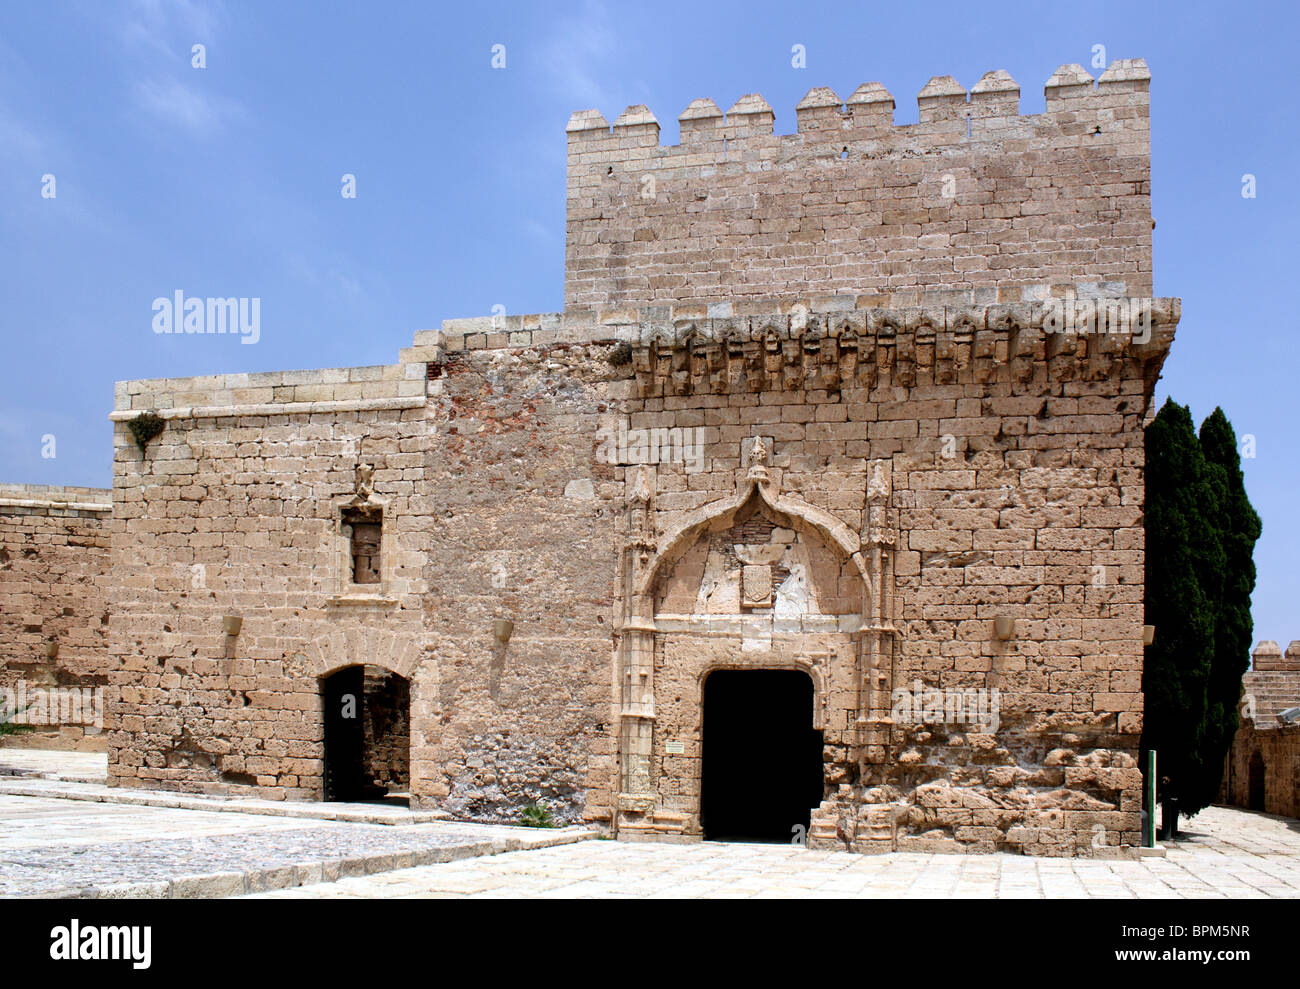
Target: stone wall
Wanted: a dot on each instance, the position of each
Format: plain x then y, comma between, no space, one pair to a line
1010,483
387,730
54,559
484,478
521,531
972,197
1273,682
1263,765
804,411
1272,757
235,511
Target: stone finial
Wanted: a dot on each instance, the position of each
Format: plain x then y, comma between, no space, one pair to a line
878,485
942,86
1291,658
997,81
871,105
820,110
1267,655
1125,70
1073,74
995,95
700,109
943,98
586,120
757,458
750,103
1068,80
871,92
641,490
819,96
634,115
701,123
750,115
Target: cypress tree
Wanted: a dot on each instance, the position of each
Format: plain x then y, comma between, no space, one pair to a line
1239,528
1184,583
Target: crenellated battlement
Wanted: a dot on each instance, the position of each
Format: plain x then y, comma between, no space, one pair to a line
973,195
870,110
1268,657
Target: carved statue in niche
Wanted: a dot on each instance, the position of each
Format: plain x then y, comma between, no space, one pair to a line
365,481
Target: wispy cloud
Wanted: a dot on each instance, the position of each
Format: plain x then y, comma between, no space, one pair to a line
168,27
21,138
579,54
539,232
17,138
326,274
176,103
167,89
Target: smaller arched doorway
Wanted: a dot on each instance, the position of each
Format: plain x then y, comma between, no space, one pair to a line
762,770
1255,798
367,721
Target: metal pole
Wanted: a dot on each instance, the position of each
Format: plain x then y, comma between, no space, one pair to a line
1149,839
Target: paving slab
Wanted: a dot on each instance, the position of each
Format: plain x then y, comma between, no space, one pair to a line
54,847
1224,852
88,767
83,776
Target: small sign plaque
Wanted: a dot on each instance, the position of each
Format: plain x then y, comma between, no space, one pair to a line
676,748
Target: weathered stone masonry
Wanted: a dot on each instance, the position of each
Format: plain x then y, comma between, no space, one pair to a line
1263,766
973,196
54,550
869,451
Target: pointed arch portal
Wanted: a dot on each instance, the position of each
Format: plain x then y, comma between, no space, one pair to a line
754,661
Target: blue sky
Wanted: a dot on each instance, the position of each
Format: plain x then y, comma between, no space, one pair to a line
225,181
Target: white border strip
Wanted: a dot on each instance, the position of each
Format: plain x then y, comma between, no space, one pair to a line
78,506
276,408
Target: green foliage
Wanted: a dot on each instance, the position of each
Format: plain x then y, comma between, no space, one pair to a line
620,355
1200,536
1239,528
145,427
7,727
536,816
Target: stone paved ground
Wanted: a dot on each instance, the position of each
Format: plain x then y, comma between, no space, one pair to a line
53,845
1226,853
56,834
55,764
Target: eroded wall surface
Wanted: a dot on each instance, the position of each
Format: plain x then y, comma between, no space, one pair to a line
799,414
1267,762
491,510
54,616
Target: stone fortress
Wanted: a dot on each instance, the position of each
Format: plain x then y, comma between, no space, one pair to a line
803,521
1263,765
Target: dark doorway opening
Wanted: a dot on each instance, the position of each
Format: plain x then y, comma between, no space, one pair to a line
367,714
1256,783
762,759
